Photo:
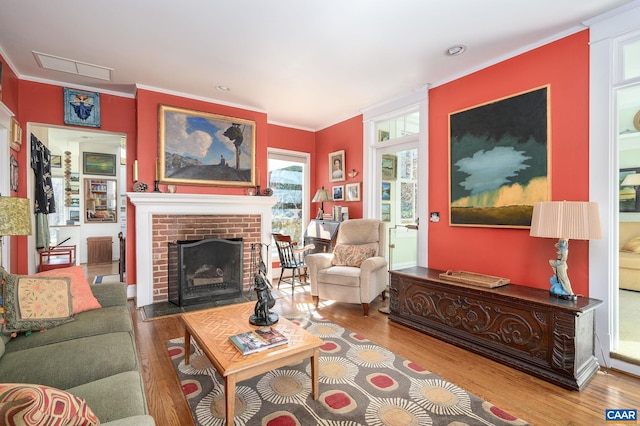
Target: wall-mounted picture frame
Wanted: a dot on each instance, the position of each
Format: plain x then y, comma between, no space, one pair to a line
352,191
16,135
337,193
383,135
13,174
385,212
336,166
500,150
389,167
81,108
201,148
627,194
56,161
97,163
386,191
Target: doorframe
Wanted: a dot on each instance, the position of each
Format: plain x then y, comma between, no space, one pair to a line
605,33
5,154
372,151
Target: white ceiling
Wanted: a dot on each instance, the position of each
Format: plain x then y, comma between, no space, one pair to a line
307,64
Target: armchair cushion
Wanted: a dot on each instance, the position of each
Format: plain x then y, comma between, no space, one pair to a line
632,246
353,254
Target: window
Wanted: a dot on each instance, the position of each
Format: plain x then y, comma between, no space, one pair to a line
404,125
288,178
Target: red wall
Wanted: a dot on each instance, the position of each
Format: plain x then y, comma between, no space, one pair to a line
42,103
9,83
347,135
512,253
295,140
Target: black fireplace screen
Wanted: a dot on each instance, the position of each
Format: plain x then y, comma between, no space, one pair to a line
208,270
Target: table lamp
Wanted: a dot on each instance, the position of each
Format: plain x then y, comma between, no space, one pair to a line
633,180
321,196
15,218
578,220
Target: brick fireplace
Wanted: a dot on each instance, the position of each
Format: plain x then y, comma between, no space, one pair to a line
161,218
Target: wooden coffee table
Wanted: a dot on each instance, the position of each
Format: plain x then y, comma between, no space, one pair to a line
211,329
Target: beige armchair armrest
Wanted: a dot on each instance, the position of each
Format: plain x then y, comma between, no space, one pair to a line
374,277
317,262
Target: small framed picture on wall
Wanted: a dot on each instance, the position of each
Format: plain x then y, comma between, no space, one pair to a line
336,166
338,193
353,191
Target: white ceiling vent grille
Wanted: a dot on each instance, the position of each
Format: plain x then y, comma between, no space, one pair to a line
57,63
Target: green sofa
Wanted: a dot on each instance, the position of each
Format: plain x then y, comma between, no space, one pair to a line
93,357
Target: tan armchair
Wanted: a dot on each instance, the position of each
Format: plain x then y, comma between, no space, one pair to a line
356,271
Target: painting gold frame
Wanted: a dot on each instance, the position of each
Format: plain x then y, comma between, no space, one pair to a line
16,135
202,148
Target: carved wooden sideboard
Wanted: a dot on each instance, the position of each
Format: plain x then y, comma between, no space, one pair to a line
523,327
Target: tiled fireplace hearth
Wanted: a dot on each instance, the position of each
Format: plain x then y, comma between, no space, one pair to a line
163,217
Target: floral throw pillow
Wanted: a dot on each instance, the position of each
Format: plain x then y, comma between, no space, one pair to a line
26,404
35,303
353,254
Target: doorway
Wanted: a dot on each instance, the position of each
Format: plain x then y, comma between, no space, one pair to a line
73,153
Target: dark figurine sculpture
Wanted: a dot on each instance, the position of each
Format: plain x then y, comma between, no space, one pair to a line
265,302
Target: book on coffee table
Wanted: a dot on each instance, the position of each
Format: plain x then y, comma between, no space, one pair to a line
258,340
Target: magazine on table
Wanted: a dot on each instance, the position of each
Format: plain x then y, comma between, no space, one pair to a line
258,340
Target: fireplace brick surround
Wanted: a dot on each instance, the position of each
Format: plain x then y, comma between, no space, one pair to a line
164,217
168,228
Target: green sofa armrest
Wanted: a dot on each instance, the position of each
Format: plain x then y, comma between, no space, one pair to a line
110,294
132,421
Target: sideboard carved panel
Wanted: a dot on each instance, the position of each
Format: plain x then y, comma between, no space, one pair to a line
522,327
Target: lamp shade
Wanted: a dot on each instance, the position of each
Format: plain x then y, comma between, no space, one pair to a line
15,216
575,220
321,196
631,180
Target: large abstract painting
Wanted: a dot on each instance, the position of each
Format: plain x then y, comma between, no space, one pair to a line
200,148
499,160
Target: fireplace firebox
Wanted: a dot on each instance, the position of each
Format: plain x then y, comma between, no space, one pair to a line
208,270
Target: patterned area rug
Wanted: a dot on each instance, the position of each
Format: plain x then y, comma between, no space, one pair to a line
106,279
360,384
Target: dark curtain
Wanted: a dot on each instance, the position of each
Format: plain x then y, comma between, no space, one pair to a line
44,202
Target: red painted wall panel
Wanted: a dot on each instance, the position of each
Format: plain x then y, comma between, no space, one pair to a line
346,135
512,253
42,104
296,140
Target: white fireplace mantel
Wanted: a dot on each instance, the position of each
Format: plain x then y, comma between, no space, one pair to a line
148,204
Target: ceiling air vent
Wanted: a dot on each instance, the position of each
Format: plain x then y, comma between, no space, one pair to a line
57,63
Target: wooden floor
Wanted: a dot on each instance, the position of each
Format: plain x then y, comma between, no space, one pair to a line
520,394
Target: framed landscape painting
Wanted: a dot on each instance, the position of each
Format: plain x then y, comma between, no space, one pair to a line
96,163
200,148
499,160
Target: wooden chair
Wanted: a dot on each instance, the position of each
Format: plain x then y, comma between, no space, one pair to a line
291,258
57,257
